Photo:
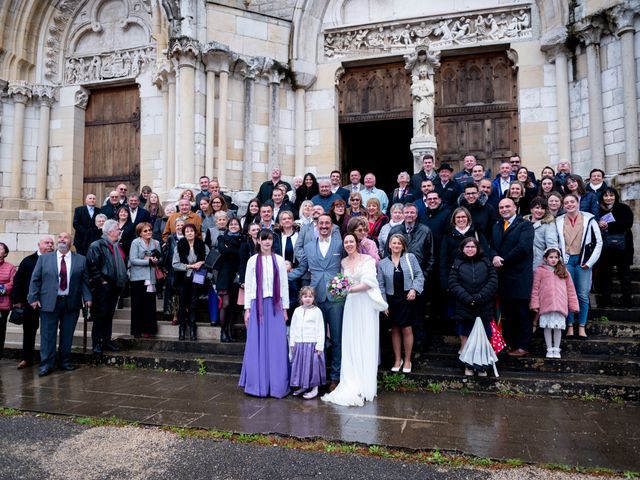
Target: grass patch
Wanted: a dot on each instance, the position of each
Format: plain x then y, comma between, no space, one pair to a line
510,393
9,412
514,462
618,400
435,387
588,397
129,366
631,475
603,319
396,382
105,422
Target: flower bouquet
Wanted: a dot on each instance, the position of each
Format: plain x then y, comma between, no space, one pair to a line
338,288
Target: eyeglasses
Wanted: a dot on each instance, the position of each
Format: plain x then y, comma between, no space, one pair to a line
515,162
122,189
146,230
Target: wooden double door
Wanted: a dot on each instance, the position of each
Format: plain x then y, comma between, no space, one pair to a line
112,141
476,112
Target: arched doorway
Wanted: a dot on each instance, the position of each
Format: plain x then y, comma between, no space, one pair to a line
375,122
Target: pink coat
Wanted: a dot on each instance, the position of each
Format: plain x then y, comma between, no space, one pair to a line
7,272
551,293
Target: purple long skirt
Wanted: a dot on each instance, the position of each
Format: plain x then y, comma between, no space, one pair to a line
265,366
308,369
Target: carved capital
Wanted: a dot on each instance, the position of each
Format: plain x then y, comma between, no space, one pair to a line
590,31
338,75
250,67
554,51
161,74
216,57
46,94
623,18
81,99
20,91
273,71
185,50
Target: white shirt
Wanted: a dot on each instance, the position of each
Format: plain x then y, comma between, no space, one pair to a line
67,261
324,245
504,185
133,214
250,283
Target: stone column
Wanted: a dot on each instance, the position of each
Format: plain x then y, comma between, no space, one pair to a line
45,95
216,57
422,64
626,33
170,141
186,51
274,76
21,93
249,70
591,37
210,123
299,132
558,55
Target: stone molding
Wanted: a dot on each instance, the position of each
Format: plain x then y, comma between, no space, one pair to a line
81,98
107,66
480,27
216,57
64,15
20,91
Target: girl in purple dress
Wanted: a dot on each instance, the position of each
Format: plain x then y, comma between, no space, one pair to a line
306,341
265,367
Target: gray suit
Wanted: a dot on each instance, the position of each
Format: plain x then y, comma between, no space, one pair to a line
57,309
322,270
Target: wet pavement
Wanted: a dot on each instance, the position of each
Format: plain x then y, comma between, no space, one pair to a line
541,430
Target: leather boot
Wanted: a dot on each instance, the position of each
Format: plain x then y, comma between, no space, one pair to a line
229,329
224,337
182,330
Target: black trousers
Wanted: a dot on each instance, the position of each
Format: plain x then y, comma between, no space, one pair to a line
105,300
517,326
4,314
189,294
30,325
143,310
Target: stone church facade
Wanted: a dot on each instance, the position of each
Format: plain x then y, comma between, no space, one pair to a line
158,92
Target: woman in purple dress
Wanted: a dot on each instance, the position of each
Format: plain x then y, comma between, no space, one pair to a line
265,367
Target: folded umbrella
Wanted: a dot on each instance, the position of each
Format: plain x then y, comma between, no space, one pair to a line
478,353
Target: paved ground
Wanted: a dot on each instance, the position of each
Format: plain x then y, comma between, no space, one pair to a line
540,430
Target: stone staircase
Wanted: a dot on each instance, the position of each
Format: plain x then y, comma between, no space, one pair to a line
607,365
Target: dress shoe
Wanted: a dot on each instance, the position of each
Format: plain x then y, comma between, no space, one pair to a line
406,369
97,349
23,364
397,369
43,372
111,347
468,372
482,373
313,393
333,385
518,353
68,367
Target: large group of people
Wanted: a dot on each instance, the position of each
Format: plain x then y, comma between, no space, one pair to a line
514,249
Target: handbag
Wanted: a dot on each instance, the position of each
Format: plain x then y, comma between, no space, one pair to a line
614,241
17,315
159,273
199,276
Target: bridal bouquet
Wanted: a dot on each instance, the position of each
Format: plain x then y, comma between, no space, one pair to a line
338,287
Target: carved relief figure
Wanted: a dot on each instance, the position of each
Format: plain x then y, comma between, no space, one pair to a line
422,91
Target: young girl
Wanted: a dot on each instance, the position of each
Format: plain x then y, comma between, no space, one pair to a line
306,341
553,296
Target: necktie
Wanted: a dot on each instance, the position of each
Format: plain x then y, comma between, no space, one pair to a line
288,250
505,225
63,274
409,229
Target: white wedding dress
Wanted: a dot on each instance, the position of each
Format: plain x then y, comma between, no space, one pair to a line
360,339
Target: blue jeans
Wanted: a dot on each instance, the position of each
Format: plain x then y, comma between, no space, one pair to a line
582,281
332,313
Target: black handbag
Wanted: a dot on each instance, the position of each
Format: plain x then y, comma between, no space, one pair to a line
614,241
17,315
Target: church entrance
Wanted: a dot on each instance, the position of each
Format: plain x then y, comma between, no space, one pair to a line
376,122
112,140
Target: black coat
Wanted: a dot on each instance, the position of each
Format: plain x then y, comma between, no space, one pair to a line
473,283
22,279
515,246
82,222
247,249
450,193
142,215
450,247
623,224
227,265
483,216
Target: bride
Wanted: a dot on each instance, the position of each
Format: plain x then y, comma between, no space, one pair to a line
360,330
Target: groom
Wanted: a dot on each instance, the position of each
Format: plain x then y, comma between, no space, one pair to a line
321,258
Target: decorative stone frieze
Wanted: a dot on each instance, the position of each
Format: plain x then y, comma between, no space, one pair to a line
435,33
108,66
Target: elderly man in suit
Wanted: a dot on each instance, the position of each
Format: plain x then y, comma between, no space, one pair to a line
83,219
322,258
21,283
511,251
59,286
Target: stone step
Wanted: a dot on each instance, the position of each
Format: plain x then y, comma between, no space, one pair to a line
569,363
615,314
614,329
616,298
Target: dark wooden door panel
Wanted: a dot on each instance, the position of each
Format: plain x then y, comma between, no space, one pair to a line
112,140
476,109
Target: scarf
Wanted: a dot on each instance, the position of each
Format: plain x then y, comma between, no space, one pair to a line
276,284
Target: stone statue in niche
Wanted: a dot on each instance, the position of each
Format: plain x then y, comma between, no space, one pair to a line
422,91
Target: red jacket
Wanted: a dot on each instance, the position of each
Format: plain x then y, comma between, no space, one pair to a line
7,272
551,293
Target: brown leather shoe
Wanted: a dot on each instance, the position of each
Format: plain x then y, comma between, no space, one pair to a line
518,353
23,364
333,385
